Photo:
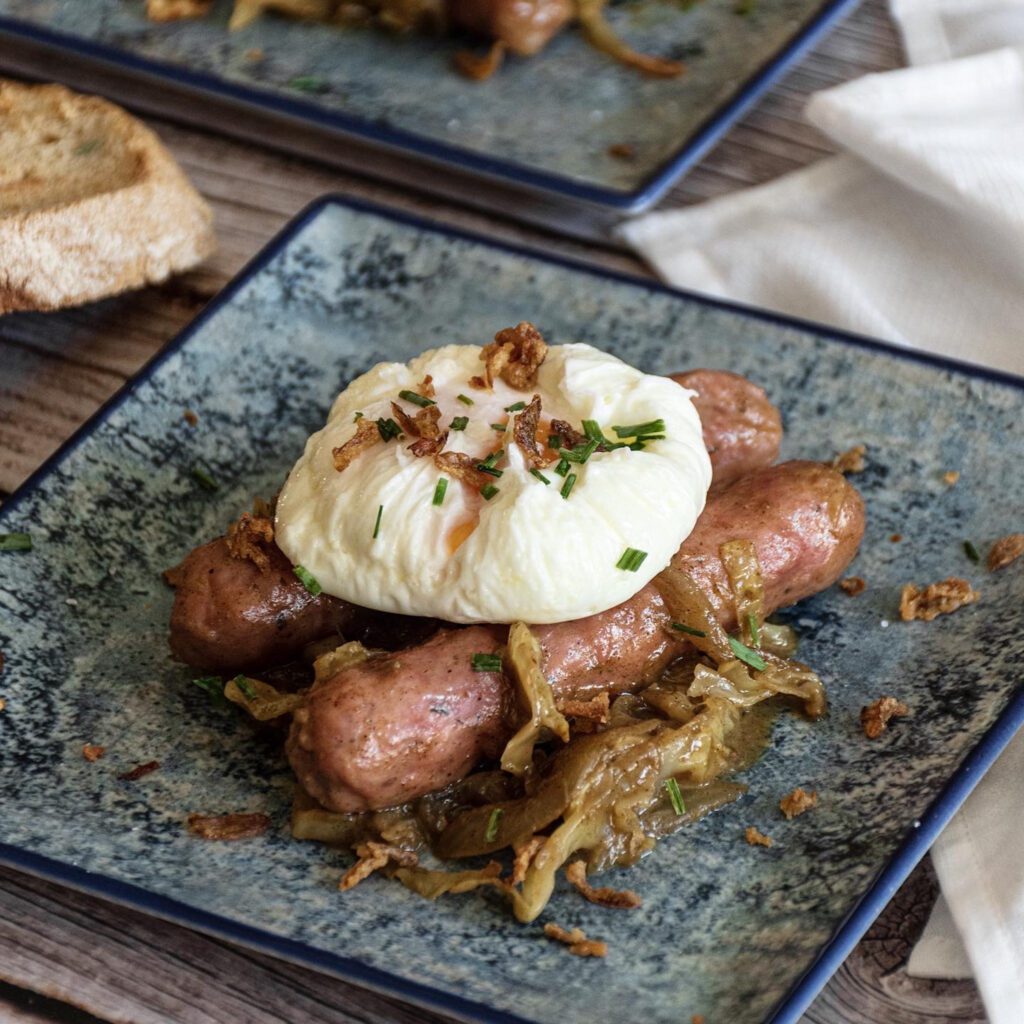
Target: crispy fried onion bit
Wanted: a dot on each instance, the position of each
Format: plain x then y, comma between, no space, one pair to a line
249,537
525,434
372,856
874,719
228,826
423,425
1005,550
261,700
523,658
604,896
936,599
576,941
514,356
461,466
366,436
800,801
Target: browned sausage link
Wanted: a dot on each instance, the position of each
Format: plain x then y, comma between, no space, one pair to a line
742,429
524,26
393,729
228,615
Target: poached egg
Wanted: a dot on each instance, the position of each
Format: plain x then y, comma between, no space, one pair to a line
527,546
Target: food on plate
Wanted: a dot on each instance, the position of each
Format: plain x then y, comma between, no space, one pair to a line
91,203
800,801
473,689
942,598
1005,550
755,837
875,718
520,27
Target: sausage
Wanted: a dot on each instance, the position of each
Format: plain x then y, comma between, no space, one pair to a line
524,26
392,729
229,616
742,429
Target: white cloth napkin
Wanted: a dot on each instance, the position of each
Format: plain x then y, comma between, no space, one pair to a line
915,234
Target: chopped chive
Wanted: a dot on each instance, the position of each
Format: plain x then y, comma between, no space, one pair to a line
636,446
499,427
388,428
307,579
486,662
515,407
204,478
245,686
689,630
376,525
488,491
439,491
540,476
465,399
639,430
593,430
562,468
358,416
755,629
460,423
421,400
675,796
580,453
309,83
493,824
214,687
493,458
489,470
631,560
971,551
555,441
15,542
746,655
570,482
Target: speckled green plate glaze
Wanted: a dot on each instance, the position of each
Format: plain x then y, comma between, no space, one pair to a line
726,930
546,122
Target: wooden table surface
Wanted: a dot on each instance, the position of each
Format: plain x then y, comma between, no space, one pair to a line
69,957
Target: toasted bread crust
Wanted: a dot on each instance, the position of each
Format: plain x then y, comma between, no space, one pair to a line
82,220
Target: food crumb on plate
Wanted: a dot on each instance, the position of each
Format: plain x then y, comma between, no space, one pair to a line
853,585
800,801
576,941
139,771
951,477
604,896
936,599
1005,550
875,717
93,751
227,826
756,837
851,461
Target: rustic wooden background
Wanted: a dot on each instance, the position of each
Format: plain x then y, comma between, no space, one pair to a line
72,958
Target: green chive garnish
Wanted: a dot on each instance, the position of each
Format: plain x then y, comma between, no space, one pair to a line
214,687
689,630
488,491
631,560
421,400
465,399
493,824
675,796
204,478
309,83
358,416
460,423
593,430
746,655
388,428
499,427
439,490
486,662
971,551
245,686
540,476
562,468
307,579
555,441
755,629
493,458
376,525
639,430
570,482
515,407
489,470
15,542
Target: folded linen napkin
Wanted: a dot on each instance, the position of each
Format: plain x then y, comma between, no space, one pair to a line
915,234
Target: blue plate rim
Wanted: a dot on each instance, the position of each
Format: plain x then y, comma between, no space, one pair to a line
624,201
876,895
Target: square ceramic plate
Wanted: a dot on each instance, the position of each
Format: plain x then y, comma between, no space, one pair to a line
400,93
733,932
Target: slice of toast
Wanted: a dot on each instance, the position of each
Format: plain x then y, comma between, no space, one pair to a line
91,204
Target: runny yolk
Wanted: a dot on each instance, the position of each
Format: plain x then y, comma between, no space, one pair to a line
458,535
